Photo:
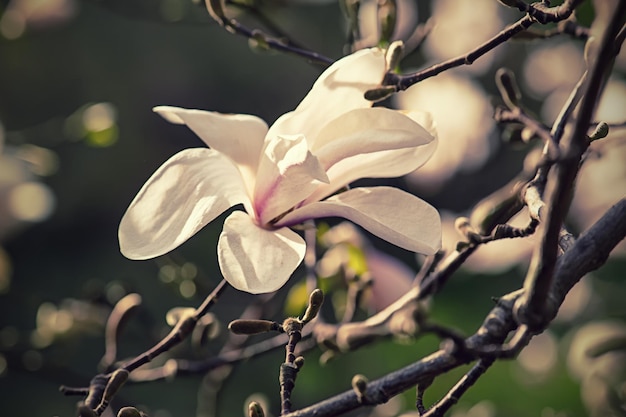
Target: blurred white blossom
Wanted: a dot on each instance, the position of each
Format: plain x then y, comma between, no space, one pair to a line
461,26
597,358
21,15
463,119
550,73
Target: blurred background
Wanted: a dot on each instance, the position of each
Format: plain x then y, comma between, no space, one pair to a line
78,139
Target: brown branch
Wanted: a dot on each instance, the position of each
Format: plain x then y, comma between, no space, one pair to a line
559,187
588,253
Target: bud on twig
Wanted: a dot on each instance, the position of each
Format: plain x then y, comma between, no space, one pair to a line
315,303
117,380
380,93
129,412
359,385
299,362
255,410
394,54
465,228
601,131
253,326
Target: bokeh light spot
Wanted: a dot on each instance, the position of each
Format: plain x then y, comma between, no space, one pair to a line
32,360
102,138
12,24
100,116
167,273
42,337
188,270
540,356
31,201
115,292
187,288
9,337
41,161
63,321
99,123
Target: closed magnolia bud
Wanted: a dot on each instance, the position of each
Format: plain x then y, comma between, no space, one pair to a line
380,93
129,412
394,54
252,326
117,380
299,362
601,131
315,303
255,410
359,385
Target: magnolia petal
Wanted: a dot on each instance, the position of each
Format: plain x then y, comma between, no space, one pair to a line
338,90
424,119
254,259
288,173
383,164
389,213
362,131
182,196
238,136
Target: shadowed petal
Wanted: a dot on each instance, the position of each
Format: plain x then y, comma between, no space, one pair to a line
288,173
389,213
238,136
338,90
362,131
384,164
254,259
182,196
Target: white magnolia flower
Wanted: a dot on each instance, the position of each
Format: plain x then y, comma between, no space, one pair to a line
285,175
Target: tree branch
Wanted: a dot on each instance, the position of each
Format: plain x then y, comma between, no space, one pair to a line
588,253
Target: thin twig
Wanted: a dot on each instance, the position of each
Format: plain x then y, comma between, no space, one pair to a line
215,8
102,382
453,396
404,81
